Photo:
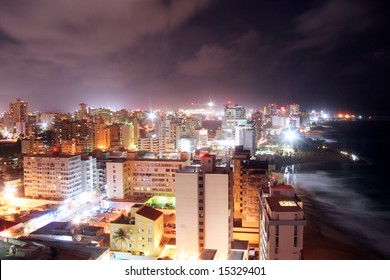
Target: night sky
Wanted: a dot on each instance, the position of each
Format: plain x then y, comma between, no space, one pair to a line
331,54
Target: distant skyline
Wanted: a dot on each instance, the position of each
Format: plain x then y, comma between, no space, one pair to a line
321,54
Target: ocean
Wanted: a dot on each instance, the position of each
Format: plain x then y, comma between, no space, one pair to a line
354,196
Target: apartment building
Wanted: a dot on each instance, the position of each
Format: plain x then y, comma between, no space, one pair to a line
52,177
139,233
204,210
142,177
282,224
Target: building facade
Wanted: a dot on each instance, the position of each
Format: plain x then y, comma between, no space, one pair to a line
282,224
53,177
140,233
204,210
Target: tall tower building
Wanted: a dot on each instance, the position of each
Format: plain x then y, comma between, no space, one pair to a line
204,217
19,113
83,111
282,224
249,177
246,136
233,114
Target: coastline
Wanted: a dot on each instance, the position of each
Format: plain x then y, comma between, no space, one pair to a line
323,241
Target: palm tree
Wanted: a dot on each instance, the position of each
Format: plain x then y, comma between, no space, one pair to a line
122,236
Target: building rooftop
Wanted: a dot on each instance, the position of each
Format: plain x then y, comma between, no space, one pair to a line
283,204
149,212
37,249
236,255
208,254
282,187
256,164
198,169
240,245
51,155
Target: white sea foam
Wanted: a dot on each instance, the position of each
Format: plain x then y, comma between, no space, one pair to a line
348,210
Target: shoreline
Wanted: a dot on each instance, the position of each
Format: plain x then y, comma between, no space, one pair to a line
322,240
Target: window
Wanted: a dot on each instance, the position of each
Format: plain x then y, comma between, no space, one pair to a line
150,239
295,241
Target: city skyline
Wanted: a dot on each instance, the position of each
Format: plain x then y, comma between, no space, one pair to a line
148,54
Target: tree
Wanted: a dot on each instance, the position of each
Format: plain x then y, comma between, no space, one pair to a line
121,235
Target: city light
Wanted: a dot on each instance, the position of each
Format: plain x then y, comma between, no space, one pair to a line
152,116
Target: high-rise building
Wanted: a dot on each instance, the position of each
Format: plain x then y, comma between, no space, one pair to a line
19,116
204,207
82,112
282,224
55,177
232,115
118,178
249,176
246,136
19,110
142,177
257,117
89,174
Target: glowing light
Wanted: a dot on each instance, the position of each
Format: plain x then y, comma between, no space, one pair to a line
152,116
211,104
290,135
77,220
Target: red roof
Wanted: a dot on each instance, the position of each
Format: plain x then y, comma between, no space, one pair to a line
149,212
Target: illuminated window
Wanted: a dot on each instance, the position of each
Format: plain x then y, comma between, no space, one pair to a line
285,203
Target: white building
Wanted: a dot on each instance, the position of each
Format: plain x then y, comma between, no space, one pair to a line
233,114
282,223
186,145
118,178
142,177
156,144
89,174
246,136
204,210
278,122
57,177
201,138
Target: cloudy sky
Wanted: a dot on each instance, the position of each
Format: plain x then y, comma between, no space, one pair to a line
325,54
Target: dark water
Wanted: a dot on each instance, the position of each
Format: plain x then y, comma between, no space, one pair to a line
355,196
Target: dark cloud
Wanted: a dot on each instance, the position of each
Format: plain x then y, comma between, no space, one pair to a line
213,59
332,23
141,53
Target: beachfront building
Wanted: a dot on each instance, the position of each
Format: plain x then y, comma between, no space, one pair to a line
204,210
52,177
138,233
282,223
248,177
